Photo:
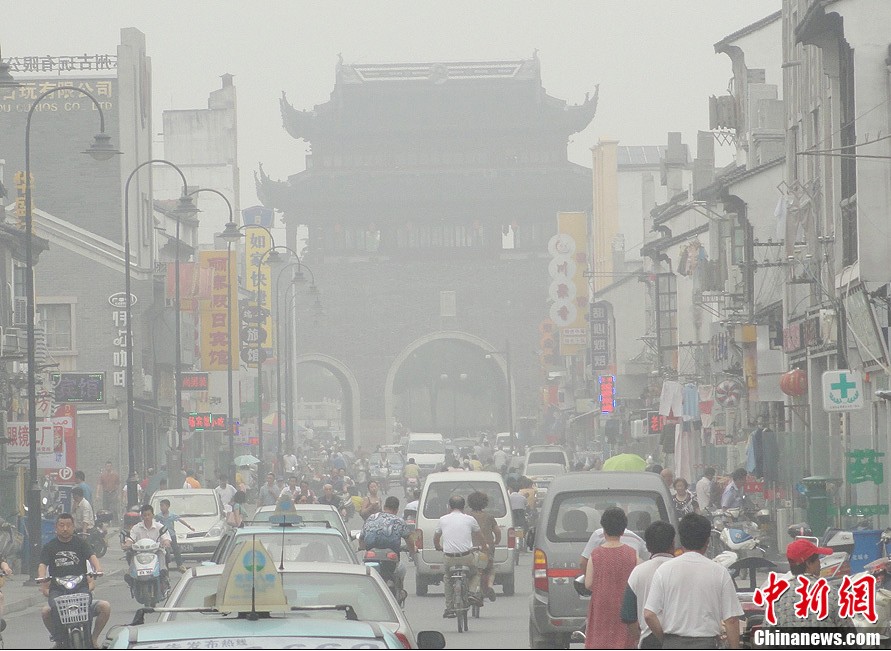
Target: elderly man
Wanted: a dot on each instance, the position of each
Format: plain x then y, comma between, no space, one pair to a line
667,475
84,520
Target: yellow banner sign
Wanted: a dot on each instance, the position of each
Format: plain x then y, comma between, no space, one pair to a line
259,278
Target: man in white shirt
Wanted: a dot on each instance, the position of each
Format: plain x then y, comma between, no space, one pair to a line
456,536
499,458
660,543
225,490
704,489
84,520
691,596
291,490
597,539
290,461
151,529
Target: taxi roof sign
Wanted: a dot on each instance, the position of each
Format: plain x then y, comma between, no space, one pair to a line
250,582
285,514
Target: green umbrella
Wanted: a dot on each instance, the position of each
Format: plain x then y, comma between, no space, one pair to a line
626,462
246,460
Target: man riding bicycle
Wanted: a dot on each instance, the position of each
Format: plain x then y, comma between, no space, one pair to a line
458,535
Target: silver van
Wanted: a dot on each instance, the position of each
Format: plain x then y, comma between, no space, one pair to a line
569,515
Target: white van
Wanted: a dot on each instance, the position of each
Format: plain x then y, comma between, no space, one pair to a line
434,504
428,451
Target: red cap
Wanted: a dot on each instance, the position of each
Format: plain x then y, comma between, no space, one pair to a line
800,550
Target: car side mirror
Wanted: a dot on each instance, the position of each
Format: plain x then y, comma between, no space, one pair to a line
431,640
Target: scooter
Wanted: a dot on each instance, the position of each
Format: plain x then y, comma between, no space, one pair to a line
147,575
72,610
386,561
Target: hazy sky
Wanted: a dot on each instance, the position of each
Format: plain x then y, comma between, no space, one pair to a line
653,59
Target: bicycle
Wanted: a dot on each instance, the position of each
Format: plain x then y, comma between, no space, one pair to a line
461,596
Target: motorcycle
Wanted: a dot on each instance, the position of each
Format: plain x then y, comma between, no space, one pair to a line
96,537
411,484
386,561
71,610
147,576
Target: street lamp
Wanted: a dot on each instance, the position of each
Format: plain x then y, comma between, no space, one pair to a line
132,490
230,234
510,391
101,149
298,276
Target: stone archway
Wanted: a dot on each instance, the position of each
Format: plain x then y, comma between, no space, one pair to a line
454,335
350,386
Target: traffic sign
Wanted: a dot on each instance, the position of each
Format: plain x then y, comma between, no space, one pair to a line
842,390
66,473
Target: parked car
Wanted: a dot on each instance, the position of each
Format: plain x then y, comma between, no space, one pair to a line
203,510
314,514
438,488
305,584
291,543
542,474
569,515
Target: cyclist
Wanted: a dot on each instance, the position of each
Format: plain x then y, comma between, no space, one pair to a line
457,535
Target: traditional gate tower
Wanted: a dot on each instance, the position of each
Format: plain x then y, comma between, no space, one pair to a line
430,194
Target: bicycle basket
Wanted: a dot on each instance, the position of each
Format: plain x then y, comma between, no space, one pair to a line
73,608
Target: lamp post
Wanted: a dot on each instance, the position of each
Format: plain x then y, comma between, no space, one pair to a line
510,391
278,364
101,149
132,490
229,235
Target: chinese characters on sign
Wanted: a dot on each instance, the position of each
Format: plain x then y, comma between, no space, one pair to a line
199,422
259,282
64,63
19,99
119,350
568,291
79,387
607,394
216,312
599,322
190,381
855,597
20,191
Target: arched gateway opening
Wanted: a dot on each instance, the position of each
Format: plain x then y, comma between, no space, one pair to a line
449,382
327,396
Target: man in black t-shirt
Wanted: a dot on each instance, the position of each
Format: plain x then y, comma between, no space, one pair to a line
67,555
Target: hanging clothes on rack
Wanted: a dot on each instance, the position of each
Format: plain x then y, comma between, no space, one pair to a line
706,404
691,402
671,401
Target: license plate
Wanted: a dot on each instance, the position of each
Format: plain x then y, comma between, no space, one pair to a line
185,547
143,572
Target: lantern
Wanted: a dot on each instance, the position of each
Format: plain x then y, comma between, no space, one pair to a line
794,383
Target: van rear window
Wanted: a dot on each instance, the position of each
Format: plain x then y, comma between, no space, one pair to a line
436,503
576,515
426,446
547,456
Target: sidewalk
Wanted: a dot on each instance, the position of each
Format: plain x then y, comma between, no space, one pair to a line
21,597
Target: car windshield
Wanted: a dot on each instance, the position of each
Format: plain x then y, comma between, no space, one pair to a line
394,457
575,515
436,503
547,456
360,591
189,505
313,515
375,458
426,446
299,546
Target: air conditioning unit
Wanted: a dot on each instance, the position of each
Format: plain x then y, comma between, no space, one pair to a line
13,343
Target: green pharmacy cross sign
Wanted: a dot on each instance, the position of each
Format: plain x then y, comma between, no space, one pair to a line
842,390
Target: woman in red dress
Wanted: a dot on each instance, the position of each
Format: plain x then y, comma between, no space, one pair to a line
606,576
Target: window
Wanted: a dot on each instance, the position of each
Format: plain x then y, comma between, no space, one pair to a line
56,320
436,502
575,515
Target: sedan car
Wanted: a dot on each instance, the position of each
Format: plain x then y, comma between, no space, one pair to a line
306,584
291,543
222,632
203,510
311,514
